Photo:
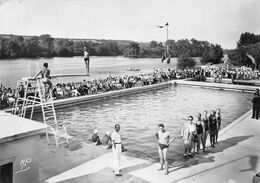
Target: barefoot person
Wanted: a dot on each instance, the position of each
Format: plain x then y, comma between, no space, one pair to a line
200,131
218,117
205,120
116,149
86,59
106,141
95,138
213,127
256,105
188,131
163,144
46,79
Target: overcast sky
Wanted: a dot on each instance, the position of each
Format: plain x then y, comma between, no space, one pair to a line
217,21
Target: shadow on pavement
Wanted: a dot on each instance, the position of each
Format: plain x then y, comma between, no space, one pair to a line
253,161
106,175
223,145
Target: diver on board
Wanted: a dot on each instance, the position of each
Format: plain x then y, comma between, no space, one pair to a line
86,59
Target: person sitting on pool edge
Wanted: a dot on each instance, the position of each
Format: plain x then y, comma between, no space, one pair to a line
106,141
95,138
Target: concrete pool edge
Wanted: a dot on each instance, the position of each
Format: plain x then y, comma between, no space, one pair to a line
234,123
220,86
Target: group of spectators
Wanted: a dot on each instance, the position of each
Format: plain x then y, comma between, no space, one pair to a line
116,83
74,89
7,97
195,132
242,73
106,140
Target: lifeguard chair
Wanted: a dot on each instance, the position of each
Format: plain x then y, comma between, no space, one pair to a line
33,98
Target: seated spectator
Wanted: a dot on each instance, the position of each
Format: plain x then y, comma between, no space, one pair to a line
74,91
4,99
106,141
60,92
10,96
95,138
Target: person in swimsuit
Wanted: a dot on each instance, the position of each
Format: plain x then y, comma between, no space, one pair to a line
95,138
213,127
46,78
163,144
218,117
86,59
200,130
106,141
205,120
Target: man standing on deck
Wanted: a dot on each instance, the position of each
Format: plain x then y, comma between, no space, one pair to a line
86,59
116,149
256,105
163,145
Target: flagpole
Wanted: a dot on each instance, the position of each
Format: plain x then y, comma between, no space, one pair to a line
167,47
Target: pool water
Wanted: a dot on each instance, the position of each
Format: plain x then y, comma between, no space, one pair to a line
140,114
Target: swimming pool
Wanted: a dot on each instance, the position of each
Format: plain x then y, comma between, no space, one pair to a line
140,114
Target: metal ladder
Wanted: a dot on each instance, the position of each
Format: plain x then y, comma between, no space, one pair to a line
47,107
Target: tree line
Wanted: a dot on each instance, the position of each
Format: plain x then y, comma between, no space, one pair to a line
184,47
247,44
13,46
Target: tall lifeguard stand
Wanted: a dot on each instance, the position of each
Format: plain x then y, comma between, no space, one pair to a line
34,97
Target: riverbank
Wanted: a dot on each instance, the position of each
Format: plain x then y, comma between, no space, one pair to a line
235,159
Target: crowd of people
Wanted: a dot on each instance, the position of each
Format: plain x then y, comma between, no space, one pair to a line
111,140
110,84
194,135
63,90
242,73
7,96
91,87
196,132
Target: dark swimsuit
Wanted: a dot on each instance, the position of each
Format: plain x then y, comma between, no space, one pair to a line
199,129
206,125
163,146
213,123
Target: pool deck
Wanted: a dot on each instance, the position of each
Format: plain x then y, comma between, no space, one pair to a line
234,160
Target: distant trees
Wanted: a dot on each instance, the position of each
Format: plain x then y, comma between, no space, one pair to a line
12,46
64,47
185,62
247,39
247,44
190,48
132,50
213,53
